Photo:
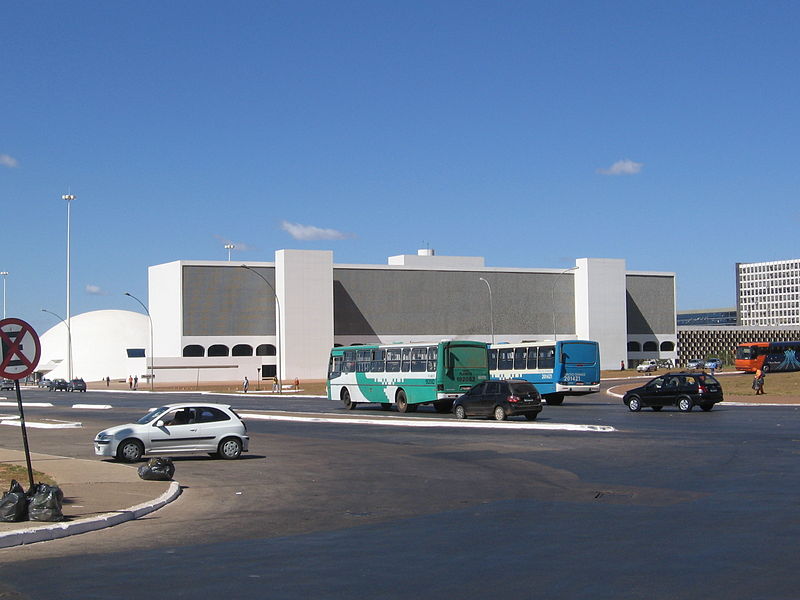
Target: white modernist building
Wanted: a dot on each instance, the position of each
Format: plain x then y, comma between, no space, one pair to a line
768,293
215,320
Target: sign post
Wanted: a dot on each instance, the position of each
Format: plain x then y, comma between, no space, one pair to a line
21,352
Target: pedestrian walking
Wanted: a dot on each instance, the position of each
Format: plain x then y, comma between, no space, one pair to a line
622,365
245,384
136,382
130,382
275,387
296,384
108,381
758,382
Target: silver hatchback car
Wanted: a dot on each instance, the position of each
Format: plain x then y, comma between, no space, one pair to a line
176,429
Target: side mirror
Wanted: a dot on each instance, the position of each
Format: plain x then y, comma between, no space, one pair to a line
160,423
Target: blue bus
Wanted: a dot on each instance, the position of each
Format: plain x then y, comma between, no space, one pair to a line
557,368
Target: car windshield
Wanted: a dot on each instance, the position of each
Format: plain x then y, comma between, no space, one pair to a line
152,415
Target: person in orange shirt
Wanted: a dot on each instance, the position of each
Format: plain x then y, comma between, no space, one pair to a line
758,382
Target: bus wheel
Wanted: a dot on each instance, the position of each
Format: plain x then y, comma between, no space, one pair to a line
555,400
765,368
348,403
401,402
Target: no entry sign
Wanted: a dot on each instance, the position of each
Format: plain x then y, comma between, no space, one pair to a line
21,349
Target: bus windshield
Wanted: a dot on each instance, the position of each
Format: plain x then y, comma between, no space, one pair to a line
467,357
579,353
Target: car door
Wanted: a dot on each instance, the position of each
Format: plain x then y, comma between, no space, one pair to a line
177,432
652,394
490,397
472,399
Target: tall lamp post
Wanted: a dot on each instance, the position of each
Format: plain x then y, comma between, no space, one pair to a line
152,357
491,307
4,274
69,334
69,198
278,328
229,247
555,333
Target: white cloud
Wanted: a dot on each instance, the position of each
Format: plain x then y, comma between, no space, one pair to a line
622,167
310,232
95,290
8,161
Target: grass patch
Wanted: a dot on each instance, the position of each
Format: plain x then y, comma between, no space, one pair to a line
20,473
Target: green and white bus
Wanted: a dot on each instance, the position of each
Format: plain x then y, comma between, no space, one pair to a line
406,375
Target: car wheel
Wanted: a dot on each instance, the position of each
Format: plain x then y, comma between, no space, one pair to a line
707,406
555,400
634,404
499,413
346,400
685,404
130,450
657,408
460,412
402,402
531,416
230,448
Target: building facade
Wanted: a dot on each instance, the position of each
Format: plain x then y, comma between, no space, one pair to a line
220,320
768,293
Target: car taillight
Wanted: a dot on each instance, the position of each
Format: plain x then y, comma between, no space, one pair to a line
513,398
701,389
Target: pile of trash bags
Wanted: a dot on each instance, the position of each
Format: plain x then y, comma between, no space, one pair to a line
157,469
42,502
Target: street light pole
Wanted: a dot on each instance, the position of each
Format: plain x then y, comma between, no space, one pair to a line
4,274
229,247
152,356
555,333
69,198
277,329
491,307
69,335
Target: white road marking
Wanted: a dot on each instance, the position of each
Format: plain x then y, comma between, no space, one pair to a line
434,423
94,406
15,422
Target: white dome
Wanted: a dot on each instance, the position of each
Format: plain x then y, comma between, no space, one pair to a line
100,343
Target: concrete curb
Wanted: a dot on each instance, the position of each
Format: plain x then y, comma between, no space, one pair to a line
55,531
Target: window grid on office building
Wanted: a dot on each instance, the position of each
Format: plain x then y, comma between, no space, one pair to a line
769,293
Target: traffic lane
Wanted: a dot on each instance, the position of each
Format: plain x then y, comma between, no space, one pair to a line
349,504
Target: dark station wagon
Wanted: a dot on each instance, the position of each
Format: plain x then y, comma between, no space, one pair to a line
499,399
684,390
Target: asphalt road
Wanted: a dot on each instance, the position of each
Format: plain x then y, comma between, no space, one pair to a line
667,505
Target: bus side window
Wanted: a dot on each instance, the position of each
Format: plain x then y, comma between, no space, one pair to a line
419,358
533,358
432,354
378,361
405,361
393,360
505,359
547,357
520,355
492,359
349,361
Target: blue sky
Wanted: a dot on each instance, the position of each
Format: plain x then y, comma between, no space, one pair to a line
531,133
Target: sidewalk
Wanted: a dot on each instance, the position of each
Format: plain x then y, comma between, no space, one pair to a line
97,494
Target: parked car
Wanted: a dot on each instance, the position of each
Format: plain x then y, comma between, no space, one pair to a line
714,364
696,363
499,399
76,385
177,429
684,390
7,384
647,366
44,383
59,385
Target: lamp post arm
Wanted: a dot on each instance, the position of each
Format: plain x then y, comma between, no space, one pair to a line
278,328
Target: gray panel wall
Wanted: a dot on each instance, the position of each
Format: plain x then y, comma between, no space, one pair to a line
651,304
226,301
450,302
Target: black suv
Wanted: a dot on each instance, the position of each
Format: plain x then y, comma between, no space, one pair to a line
684,390
499,399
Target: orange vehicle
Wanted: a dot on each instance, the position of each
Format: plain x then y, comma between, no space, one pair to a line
750,356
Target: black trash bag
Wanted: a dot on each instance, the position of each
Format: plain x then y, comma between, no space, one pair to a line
14,504
157,469
45,503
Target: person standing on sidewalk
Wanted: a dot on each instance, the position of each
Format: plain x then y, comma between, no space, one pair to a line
245,384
